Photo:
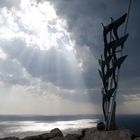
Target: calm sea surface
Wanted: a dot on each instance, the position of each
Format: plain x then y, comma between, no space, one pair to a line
21,126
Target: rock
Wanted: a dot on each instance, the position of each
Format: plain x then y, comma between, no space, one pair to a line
88,134
56,133
89,131
100,126
10,138
92,134
72,137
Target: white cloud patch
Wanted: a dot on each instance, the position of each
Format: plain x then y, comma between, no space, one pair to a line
35,25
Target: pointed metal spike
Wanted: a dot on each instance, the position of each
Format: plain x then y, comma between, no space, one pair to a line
115,24
117,43
121,60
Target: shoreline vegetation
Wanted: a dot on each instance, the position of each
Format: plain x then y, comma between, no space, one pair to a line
86,134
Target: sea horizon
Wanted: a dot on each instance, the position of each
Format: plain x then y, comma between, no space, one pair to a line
27,125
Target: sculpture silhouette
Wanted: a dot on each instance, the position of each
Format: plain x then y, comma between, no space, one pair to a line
110,64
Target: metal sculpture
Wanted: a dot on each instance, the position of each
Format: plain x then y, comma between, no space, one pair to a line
110,63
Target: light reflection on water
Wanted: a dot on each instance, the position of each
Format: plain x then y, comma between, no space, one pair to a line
25,128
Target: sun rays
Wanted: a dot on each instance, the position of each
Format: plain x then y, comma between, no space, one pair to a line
47,56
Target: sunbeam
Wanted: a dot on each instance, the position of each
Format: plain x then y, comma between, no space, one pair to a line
46,53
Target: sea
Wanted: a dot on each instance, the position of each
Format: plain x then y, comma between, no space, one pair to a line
28,125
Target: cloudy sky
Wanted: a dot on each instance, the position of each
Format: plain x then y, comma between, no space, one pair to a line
49,52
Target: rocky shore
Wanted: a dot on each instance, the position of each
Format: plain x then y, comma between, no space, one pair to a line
87,134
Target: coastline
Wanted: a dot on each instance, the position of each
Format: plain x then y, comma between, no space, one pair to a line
86,134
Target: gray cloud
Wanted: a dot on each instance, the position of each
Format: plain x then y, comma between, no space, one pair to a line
51,65
12,73
43,64
84,22
84,18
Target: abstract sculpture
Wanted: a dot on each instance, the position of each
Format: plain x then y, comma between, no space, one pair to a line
110,63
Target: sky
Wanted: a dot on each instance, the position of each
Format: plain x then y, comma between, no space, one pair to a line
49,51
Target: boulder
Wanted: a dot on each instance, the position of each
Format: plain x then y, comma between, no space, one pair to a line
100,126
56,133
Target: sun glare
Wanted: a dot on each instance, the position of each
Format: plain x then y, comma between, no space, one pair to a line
37,24
41,26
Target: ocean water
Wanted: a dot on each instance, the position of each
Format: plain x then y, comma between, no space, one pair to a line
21,126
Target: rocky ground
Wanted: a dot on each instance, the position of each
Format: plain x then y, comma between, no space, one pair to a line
87,134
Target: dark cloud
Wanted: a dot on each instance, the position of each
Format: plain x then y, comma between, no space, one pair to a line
84,20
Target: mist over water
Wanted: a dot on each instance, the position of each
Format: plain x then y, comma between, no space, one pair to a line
21,126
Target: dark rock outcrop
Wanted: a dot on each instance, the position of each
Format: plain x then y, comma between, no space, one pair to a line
87,134
56,133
